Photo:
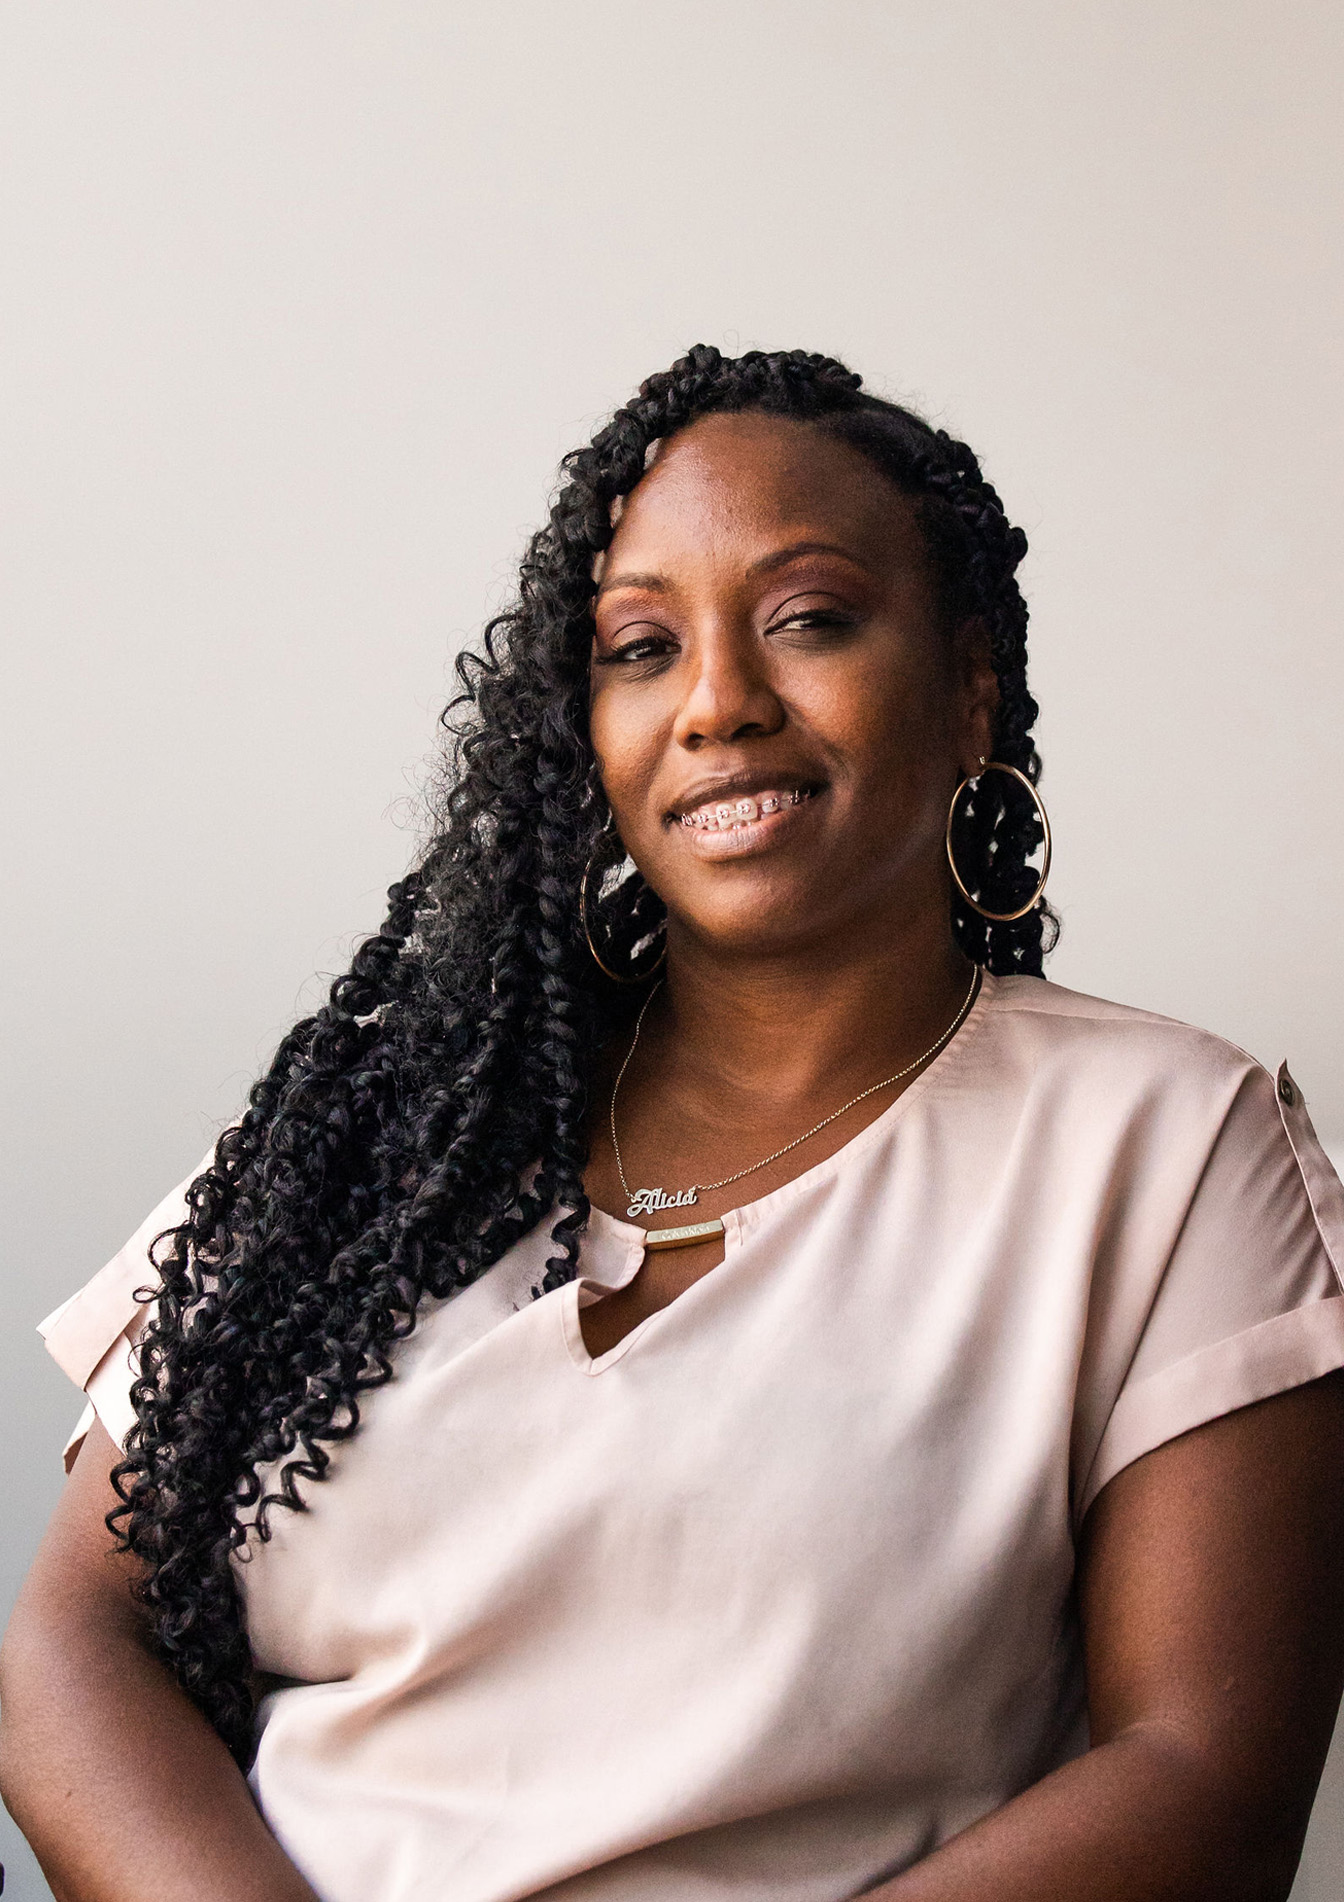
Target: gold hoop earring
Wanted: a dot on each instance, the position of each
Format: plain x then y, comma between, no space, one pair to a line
1000,917
617,977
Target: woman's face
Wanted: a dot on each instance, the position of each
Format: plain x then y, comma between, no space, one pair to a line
779,714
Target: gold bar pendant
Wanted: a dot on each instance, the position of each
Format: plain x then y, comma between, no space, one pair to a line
683,1237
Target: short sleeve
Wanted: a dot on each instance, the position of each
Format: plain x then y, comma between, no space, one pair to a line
92,1335
1249,1303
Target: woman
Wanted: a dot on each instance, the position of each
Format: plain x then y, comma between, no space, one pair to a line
714,1380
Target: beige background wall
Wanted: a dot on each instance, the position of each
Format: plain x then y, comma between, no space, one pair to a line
302,303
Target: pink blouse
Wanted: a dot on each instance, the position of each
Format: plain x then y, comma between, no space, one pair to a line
776,1595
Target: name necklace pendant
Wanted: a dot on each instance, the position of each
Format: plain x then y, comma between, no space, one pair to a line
653,1201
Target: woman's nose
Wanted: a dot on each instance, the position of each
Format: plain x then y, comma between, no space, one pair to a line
730,695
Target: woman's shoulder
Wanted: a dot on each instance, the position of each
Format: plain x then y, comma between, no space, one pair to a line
1053,1019
1081,1066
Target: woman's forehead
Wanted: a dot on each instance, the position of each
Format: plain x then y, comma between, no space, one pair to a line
753,479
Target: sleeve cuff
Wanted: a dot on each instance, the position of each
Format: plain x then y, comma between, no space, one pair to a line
1281,1353
78,1437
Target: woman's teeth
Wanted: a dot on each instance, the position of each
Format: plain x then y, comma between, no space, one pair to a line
724,814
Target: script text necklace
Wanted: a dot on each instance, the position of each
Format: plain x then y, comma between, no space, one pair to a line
652,1201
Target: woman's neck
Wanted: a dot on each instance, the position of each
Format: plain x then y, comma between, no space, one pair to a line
806,1020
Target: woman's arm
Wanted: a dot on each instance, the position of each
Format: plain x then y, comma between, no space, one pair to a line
1211,1588
118,1782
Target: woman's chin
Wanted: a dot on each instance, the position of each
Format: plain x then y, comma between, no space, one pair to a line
763,919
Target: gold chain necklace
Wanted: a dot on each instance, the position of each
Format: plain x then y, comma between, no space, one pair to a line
647,1201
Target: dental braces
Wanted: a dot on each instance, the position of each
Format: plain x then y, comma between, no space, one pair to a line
742,811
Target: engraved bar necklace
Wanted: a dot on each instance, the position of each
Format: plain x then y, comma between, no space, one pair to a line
647,1201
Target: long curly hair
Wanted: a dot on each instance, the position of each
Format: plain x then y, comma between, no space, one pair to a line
433,1111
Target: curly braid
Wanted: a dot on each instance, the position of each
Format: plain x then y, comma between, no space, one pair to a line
433,1111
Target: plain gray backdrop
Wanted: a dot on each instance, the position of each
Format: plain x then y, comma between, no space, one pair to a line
303,302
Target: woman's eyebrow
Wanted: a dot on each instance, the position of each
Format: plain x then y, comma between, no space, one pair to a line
777,558
651,584
780,556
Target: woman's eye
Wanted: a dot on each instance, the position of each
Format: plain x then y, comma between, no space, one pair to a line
644,647
805,620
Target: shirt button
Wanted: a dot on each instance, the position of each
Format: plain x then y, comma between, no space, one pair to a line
1286,1090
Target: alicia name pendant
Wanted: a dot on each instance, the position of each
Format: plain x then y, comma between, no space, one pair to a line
653,1201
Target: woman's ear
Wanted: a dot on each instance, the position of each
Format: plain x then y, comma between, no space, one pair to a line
977,687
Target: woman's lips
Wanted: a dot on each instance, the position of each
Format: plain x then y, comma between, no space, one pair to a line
732,828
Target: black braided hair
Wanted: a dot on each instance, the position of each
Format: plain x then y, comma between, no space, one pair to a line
385,1159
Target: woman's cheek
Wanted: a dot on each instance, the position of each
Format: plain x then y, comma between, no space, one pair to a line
626,786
